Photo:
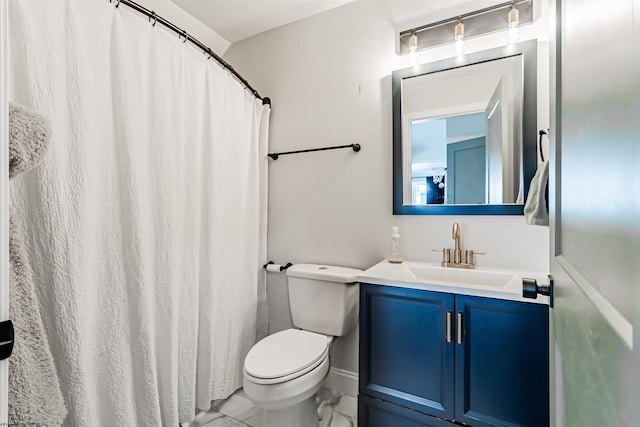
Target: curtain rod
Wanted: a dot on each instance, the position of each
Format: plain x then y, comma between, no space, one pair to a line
183,34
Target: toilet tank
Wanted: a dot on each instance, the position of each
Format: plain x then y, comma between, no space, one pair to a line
323,298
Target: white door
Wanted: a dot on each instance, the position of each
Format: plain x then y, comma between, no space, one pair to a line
4,204
466,172
595,214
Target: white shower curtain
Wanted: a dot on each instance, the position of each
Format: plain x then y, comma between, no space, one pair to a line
147,217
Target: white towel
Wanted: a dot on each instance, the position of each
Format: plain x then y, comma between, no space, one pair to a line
535,210
35,397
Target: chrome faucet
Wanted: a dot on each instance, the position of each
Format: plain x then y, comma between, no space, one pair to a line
458,261
455,235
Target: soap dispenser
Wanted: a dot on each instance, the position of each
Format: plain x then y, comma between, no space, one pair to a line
395,252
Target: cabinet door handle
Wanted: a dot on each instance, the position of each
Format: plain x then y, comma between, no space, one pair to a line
449,328
460,330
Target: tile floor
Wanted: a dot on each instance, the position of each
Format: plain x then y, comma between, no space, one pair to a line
239,411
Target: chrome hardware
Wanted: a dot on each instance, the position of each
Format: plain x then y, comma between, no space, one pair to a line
469,256
468,261
446,254
449,329
455,235
460,330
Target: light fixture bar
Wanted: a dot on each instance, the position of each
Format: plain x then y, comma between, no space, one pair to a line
458,18
476,23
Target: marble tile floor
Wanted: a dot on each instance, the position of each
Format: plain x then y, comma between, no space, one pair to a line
239,411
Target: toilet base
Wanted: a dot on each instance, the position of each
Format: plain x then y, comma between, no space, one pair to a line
304,414
291,403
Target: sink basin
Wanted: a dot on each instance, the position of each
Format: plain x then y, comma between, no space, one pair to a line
454,276
481,281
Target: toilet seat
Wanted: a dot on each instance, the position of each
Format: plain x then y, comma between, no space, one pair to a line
285,355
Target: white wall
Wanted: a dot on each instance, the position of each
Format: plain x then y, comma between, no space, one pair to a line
329,78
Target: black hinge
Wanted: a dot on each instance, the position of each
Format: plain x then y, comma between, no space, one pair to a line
6,339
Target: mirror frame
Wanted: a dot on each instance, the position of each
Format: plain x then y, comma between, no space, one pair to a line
529,52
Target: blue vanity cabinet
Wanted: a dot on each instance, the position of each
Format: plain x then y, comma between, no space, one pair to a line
435,359
379,413
502,365
405,358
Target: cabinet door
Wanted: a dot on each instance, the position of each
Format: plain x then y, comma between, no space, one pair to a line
404,354
378,413
502,365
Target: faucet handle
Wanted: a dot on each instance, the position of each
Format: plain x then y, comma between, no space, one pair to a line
446,254
469,256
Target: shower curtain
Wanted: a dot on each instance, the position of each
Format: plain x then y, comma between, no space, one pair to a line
146,220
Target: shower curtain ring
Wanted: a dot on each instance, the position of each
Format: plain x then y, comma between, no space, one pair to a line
117,3
210,53
185,35
155,18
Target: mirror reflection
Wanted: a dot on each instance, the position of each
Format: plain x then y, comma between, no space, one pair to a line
465,132
461,131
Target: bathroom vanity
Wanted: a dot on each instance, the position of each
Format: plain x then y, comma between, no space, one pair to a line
442,346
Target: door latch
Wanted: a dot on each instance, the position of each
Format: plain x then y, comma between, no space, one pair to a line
6,339
531,289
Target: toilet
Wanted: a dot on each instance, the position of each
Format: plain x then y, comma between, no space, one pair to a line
284,371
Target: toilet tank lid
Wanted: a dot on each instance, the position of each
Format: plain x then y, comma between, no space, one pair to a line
329,273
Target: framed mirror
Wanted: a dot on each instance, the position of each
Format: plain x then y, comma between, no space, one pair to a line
464,133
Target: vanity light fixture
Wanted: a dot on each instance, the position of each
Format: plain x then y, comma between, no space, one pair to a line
468,25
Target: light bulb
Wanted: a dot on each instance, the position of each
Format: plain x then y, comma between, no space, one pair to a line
459,46
413,43
514,17
459,31
513,35
459,37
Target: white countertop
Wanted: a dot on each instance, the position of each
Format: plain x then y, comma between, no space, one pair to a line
482,282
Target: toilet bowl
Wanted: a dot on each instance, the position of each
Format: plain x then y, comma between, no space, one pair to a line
284,371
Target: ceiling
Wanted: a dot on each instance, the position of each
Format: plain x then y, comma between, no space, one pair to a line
239,19
236,20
